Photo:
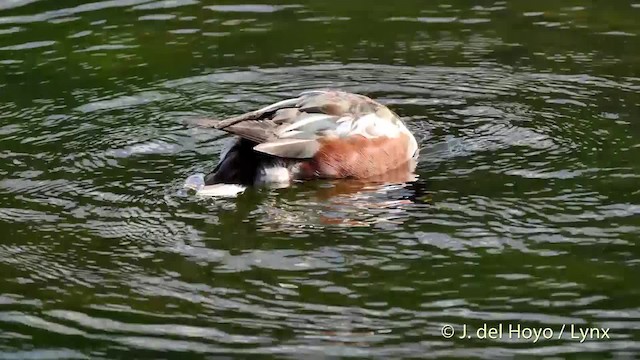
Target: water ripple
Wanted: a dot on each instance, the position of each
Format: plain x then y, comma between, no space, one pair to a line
523,209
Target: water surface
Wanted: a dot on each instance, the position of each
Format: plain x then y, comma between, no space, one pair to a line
525,211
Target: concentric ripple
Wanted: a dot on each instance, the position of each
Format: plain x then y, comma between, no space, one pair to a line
523,209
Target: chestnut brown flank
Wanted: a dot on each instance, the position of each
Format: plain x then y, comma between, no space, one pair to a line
357,157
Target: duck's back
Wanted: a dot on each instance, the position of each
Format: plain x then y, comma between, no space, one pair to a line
319,134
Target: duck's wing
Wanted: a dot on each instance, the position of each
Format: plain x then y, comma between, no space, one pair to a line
291,128
256,126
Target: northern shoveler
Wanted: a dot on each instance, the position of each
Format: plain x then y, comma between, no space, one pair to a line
319,134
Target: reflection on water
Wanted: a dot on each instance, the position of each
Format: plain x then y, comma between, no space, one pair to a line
523,208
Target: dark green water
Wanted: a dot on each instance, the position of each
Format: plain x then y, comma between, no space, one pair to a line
526,210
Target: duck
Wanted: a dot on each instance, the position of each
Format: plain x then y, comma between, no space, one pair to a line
319,134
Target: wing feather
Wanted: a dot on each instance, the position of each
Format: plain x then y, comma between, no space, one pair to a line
310,123
290,148
290,128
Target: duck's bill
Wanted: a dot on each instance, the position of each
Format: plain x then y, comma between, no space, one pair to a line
221,190
195,182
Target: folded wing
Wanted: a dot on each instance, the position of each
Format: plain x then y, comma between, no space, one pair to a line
293,127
